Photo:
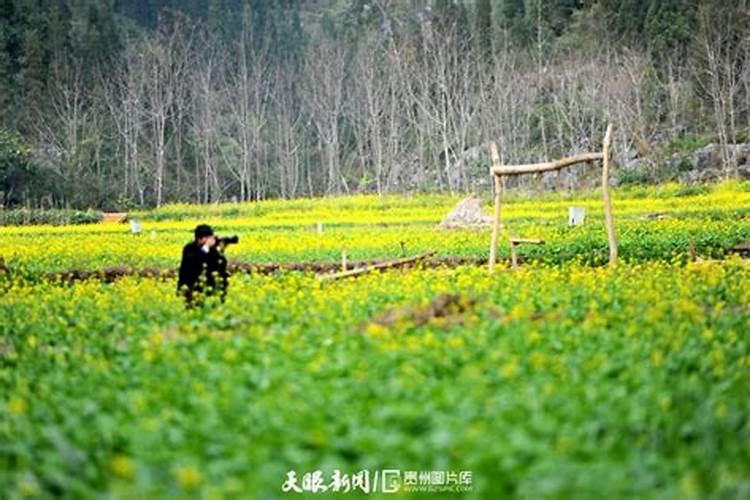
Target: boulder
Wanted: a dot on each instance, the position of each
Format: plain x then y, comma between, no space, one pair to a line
467,213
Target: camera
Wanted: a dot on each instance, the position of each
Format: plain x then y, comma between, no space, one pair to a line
227,240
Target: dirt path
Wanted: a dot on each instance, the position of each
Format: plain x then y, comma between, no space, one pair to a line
110,274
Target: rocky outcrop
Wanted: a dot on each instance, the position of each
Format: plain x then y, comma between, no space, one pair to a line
707,164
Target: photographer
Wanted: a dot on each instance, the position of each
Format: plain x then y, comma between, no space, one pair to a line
203,270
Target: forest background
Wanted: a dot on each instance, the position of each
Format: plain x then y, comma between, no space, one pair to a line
136,103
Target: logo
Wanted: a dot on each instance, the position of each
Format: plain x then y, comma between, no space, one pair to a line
387,481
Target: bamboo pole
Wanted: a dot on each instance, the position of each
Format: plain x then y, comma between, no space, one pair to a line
607,199
498,200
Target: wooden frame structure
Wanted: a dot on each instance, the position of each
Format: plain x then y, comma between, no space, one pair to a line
497,171
514,242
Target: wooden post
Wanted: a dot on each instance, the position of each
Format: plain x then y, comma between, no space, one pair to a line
514,242
497,171
498,199
343,260
608,218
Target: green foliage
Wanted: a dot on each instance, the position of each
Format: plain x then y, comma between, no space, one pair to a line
32,68
451,17
695,190
483,25
686,144
658,24
635,176
513,18
549,382
6,83
15,166
669,24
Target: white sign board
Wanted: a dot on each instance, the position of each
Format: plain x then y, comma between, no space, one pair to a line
576,216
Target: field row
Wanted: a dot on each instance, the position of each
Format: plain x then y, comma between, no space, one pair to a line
373,228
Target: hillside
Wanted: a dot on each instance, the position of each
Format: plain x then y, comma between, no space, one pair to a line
118,104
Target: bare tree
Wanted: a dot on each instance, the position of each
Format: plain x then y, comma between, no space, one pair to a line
124,101
325,68
206,112
63,127
288,134
371,105
166,61
722,38
249,86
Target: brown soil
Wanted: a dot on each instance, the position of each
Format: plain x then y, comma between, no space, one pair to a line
111,274
448,306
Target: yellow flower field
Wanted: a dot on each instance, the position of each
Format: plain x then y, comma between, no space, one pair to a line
659,226
561,379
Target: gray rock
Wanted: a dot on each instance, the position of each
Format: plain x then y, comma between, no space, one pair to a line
741,152
632,164
710,174
707,164
467,213
743,172
674,162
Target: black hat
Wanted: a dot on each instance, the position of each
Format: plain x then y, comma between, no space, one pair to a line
203,230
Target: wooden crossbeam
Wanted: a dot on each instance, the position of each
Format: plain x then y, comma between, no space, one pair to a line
535,168
526,241
514,242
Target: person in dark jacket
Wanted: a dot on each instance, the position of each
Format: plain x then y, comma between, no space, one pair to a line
203,270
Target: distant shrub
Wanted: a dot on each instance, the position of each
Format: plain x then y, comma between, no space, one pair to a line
635,176
692,190
27,217
686,144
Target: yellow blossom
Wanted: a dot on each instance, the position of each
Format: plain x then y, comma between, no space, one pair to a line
188,477
17,406
657,358
121,466
510,369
